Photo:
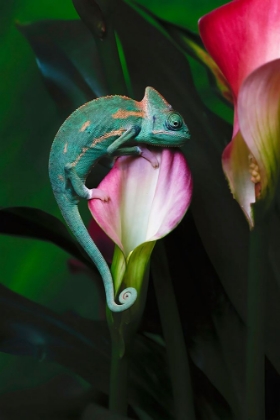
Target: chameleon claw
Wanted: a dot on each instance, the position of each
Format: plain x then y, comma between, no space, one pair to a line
149,156
99,194
155,164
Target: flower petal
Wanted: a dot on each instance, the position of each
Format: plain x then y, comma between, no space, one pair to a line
258,114
131,185
172,196
145,203
235,161
241,36
102,241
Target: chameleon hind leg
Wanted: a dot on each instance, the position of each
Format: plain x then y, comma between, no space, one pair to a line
79,187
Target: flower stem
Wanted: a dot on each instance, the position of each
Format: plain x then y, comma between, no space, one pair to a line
123,325
173,334
118,381
255,350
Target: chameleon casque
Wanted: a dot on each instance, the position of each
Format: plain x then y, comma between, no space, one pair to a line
101,128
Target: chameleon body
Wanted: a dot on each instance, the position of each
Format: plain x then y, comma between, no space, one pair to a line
107,126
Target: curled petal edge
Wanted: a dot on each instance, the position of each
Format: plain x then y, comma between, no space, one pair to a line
235,162
258,109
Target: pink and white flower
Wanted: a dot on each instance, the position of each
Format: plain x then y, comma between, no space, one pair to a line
243,37
145,204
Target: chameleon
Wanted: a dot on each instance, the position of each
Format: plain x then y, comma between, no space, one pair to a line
108,126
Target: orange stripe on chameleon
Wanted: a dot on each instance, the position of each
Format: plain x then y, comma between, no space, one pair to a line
121,114
84,126
96,141
107,135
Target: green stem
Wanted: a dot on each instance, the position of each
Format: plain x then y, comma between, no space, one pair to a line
118,381
255,352
123,327
173,334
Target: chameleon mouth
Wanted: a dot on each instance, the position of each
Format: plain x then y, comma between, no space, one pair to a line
170,133
178,136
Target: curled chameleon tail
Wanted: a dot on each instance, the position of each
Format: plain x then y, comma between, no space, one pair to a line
72,217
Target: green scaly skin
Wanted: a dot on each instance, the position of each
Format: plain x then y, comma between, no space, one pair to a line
97,129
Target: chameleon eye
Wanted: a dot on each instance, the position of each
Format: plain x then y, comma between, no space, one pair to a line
174,121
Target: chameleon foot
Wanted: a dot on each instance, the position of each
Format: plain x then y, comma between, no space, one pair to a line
149,156
96,193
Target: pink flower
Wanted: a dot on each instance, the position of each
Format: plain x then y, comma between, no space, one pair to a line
145,205
243,37
103,242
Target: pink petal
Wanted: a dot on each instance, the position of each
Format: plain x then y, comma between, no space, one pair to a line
172,196
145,203
241,36
76,266
102,241
258,114
235,161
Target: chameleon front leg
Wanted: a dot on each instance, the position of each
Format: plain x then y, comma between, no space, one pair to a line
115,149
129,134
138,151
79,187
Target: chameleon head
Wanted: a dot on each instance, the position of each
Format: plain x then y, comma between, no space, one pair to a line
162,126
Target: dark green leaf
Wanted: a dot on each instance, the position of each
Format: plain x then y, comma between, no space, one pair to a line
99,18
93,411
61,398
215,334
83,346
37,224
190,43
212,327
93,16
272,336
203,345
68,59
